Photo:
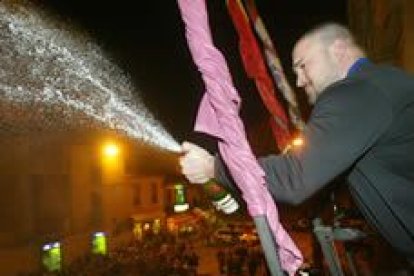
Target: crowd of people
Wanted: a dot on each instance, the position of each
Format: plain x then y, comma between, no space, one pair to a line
166,254
242,259
162,255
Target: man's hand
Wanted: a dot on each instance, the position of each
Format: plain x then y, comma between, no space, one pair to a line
197,164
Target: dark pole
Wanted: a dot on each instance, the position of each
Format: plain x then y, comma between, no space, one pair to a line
269,246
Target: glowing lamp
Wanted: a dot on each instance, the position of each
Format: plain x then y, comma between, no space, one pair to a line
111,150
297,142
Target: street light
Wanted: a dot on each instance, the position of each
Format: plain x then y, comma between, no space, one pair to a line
112,163
295,144
111,150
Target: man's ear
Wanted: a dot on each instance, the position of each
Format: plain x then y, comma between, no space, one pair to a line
339,48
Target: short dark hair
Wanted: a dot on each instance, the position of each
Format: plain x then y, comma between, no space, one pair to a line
330,31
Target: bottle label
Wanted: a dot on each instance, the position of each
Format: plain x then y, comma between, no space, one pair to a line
222,200
227,204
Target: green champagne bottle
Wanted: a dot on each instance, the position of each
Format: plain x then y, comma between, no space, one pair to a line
220,197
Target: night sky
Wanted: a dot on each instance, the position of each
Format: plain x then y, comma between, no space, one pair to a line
147,40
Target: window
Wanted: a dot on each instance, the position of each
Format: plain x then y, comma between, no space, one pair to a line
137,195
154,192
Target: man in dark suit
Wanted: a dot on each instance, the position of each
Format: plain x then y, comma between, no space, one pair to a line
362,124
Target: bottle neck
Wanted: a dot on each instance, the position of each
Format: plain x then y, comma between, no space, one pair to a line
222,199
214,191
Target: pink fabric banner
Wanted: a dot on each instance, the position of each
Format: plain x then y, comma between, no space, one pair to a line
219,116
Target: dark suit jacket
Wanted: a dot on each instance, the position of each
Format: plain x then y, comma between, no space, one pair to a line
362,125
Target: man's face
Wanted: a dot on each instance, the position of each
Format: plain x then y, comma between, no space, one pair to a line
314,66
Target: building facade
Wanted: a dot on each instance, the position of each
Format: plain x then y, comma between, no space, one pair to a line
60,190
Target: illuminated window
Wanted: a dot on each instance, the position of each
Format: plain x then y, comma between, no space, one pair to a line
99,243
180,201
52,257
156,226
179,194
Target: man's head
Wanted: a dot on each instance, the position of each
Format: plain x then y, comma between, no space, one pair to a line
323,56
